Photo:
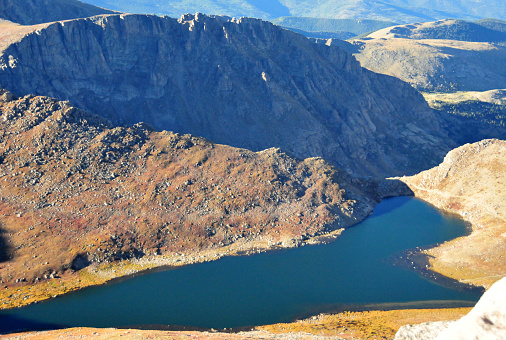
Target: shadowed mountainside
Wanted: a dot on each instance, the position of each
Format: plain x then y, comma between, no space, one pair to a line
76,192
5,248
31,12
245,83
471,116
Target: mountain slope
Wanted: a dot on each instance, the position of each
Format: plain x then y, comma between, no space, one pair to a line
494,24
428,56
31,12
470,182
76,193
471,116
245,83
443,29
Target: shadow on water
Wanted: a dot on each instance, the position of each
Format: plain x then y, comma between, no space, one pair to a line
392,188
10,324
390,206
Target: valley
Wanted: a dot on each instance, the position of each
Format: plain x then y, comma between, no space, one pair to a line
103,194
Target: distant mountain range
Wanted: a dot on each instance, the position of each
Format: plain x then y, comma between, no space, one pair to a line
325,28
402,11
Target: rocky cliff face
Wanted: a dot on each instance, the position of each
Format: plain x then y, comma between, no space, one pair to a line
31,12
75,192
470,182
245,83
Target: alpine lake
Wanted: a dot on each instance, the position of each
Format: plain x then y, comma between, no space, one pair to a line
354,272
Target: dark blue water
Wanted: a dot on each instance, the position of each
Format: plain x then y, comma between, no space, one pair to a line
270,287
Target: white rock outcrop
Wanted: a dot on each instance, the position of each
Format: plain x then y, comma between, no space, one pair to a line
486,321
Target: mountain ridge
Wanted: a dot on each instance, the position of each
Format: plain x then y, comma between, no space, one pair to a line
427,55
448,29
242,82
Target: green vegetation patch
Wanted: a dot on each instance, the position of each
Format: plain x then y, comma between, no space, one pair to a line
469,120
493,24
492,114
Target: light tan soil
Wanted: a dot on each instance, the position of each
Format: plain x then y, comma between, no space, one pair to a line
472,183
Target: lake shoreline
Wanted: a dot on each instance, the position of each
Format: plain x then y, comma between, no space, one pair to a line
419,262
412,260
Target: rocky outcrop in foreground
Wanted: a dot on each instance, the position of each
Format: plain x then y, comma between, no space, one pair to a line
31,12
76,192
471,182
487,320
245,83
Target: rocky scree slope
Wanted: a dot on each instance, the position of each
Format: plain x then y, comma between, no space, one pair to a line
245,83
75,191
31,12
472,183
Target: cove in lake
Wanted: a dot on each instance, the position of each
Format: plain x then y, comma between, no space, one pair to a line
271,287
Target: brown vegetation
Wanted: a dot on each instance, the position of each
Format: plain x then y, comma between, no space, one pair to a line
366,325
75,192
